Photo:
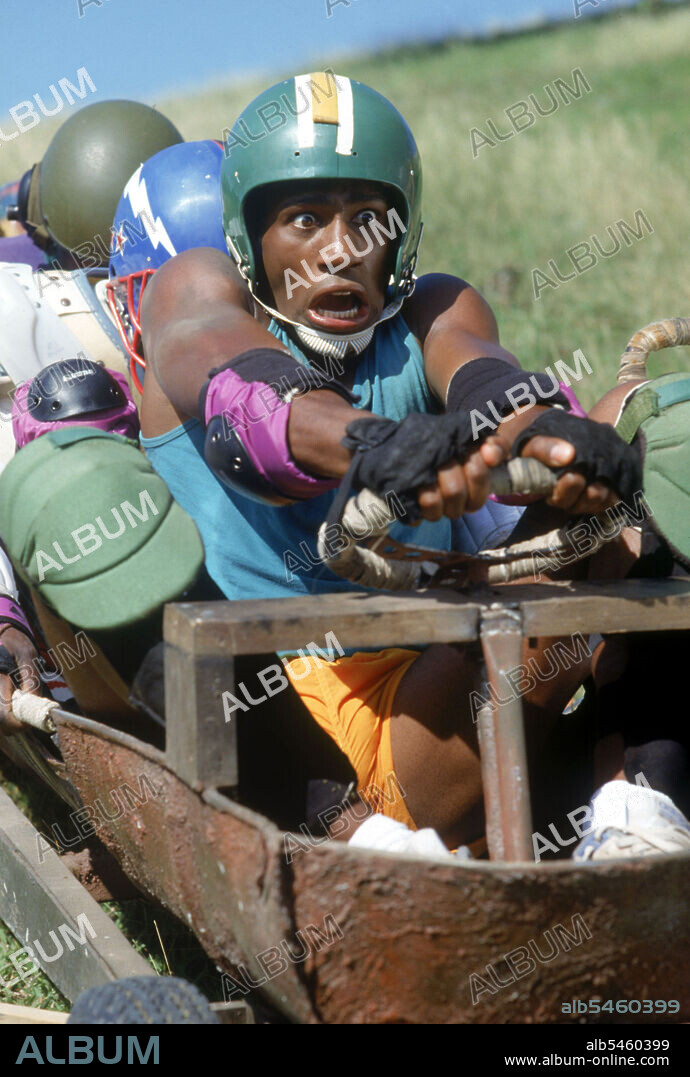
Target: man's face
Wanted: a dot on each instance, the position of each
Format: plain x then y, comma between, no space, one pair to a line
323,263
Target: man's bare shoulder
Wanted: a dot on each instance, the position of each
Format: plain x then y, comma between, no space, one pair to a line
608,408
443,296
202,273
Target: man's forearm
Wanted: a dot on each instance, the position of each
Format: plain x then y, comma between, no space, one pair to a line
316,429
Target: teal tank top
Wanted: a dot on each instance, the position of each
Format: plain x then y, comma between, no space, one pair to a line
255,550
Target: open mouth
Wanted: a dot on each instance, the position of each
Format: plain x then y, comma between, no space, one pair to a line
344,308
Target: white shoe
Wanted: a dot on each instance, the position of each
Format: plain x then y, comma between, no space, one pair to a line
391,836
631,820
610,843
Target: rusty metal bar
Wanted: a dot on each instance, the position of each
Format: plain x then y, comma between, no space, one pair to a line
502,740
490,784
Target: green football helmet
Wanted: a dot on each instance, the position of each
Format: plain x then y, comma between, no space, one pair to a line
321,126
72,195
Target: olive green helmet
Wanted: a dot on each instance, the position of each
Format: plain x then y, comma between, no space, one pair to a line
321,126
78,184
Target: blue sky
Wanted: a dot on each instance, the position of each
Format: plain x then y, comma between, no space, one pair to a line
146,49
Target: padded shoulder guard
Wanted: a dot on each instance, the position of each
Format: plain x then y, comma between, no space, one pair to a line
49,315
31,333
246,406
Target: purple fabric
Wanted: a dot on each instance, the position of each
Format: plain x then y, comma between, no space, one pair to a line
574,409
260,418
119,420
575,405
21,249
11,613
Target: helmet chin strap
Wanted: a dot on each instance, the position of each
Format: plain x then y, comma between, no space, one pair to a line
334,345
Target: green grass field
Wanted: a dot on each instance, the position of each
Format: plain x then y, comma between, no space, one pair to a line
494,218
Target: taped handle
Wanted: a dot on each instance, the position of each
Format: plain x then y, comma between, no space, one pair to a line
669,333
33,710
365,516
523,475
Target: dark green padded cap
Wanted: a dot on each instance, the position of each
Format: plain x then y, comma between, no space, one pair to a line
90,525
88,162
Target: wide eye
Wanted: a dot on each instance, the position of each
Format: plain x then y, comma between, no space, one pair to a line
366,216
304,220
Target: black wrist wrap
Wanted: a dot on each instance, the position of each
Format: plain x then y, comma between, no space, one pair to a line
7,619
8,663
490,384
285,374
600,454
401,457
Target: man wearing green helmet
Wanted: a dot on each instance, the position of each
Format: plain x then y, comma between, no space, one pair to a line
314,359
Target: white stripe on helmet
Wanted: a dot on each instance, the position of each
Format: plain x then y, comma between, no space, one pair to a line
346,117
305,111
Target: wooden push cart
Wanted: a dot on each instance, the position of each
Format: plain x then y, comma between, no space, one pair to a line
391,938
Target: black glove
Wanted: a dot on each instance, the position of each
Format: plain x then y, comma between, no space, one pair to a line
404,456
600,454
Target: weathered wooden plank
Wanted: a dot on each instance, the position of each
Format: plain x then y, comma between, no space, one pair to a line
357,620
29,1015
440,616
200,746
228,1013
204,638
233,1013
40,900
606,606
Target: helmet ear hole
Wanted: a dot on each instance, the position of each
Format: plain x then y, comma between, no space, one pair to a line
19,211
257,214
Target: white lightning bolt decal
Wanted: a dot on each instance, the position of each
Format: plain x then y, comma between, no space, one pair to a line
141,207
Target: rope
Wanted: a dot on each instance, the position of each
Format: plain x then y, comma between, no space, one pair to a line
368,516
669,333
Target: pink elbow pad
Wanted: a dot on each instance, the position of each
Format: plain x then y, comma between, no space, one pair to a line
246,407
11,613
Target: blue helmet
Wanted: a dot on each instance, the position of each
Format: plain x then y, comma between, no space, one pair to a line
170,204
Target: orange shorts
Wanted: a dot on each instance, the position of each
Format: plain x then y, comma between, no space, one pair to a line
351,699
